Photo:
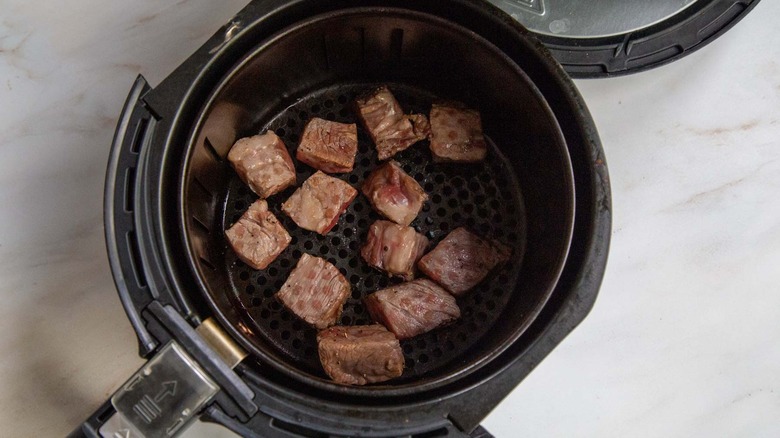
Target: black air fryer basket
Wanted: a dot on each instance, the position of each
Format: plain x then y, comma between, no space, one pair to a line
170,194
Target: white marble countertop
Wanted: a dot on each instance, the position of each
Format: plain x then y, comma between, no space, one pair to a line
683,341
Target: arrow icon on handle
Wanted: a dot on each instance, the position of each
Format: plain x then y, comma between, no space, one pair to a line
169,388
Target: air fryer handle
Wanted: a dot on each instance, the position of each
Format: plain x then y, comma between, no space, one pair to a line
165,395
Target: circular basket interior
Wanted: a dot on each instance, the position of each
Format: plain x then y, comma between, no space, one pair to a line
521,195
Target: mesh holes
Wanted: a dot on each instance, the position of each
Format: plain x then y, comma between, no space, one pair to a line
477,196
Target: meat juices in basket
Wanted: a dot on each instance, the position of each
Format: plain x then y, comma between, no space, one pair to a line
316,291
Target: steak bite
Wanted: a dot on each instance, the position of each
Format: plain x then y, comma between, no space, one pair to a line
456,134
390,129
328,146
258,237
412,308
393,248
360,354
318,203
263,163
462,260
315,291
393,193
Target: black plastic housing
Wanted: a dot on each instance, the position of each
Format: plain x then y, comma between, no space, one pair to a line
661,43
151,273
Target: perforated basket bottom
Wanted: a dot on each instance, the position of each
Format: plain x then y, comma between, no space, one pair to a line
484,197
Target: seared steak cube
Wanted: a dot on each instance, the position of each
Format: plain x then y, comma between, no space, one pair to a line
263,163
318,203
391,130
360,354
394,194
393,248
258,237
315,291
328,146
412,308
462,260
456,134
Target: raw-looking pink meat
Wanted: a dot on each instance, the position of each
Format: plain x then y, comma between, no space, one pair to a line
318,203
315,291
393,248
393,193
360,354
462,260
328,146
456,134
263,163
390,129
412,308
258,237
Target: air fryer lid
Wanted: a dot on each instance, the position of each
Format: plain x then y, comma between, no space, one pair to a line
597,38
522,194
